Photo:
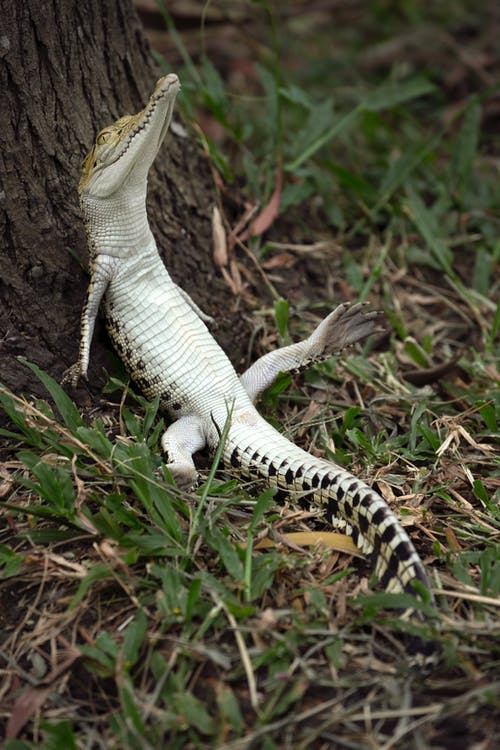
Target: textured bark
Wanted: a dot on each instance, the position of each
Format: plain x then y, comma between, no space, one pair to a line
68,68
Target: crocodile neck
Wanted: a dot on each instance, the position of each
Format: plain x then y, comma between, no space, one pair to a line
113,186
117,225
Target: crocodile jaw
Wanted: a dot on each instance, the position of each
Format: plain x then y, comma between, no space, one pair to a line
124,152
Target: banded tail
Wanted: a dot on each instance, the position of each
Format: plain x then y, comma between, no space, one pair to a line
350,504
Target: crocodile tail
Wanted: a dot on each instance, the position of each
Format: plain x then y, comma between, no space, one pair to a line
348,503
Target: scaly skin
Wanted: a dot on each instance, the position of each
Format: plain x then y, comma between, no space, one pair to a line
161,335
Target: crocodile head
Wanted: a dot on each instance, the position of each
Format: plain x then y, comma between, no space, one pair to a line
123,152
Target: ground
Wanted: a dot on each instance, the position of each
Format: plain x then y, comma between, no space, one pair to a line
138,616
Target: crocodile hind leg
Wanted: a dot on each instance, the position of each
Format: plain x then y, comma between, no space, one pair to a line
180,441
344,326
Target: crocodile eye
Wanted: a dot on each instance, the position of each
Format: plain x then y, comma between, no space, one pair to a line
103,137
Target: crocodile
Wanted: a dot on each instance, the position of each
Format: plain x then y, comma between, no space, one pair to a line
163,339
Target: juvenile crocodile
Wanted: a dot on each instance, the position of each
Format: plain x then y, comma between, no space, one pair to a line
161,335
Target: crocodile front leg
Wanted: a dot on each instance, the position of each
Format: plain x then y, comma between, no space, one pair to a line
343,327
180,441
102,272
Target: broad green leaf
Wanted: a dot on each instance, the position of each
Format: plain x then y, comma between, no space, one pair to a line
430,436
149,543
229,707
334,652
227,553
139,464
400,169
50,536
214,85
272,106
397,323
495,326
297,95
296,193
55,483
488,415
268,744
416,420
480,492
130,708
32,437
291,696
98,572
426,224
192,598
158,503
264,501
15,413
58,736
193,711
281,316
316,125
481,276
390,94
350,417
373,603
96,439
10,561
263,570
341,124
150,414
66,407
181,47
353,272
376,270
466,145
134,637
416,353
104,653
351,181
20,745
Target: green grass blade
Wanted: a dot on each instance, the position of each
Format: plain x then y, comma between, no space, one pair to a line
402,168
425,222
495,328
387,96
466,146
281,316
342,124
181,47
134,637
391,94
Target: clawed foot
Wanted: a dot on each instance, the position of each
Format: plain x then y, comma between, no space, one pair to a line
185,477
345,326
72,375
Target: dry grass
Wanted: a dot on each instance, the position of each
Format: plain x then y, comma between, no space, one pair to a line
132,620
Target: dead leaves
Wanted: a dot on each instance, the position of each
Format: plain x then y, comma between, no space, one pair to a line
270,212
219,239
457,432
223,256
328,539
224,241
30,701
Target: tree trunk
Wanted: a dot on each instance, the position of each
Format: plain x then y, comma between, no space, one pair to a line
70,67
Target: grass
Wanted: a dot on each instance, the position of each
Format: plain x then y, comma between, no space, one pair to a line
137,616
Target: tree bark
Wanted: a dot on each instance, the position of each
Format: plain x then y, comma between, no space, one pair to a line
68,68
